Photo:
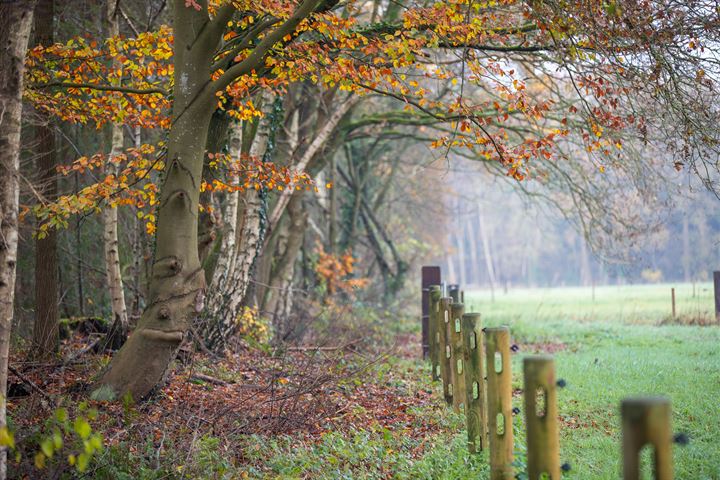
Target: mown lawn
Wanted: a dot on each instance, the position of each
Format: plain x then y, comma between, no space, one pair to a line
622,343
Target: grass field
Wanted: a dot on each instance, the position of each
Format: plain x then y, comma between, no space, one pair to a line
622,343
617,346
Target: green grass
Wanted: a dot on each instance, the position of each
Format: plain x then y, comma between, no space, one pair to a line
617,345
636,304
616,348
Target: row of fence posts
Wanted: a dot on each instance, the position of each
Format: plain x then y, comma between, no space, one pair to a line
474,365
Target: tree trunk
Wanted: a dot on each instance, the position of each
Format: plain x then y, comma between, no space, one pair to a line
686,248
487,253
46,333
239,247
15,22
118,332
586,277
279,296
177,284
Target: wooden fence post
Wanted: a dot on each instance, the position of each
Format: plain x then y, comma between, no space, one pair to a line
543,441
433,327
428,276
445,348
475,403
716,285
499,402
454,292
672,295
646,421
457,356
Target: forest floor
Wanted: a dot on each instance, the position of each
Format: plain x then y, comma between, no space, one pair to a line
361,408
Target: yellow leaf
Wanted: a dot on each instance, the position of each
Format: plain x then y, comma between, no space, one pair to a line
7,439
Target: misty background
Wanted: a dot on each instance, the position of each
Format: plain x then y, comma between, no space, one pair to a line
500,233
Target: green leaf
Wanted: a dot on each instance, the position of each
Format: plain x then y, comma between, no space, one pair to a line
82,428
96,441
57,440
61,414
47,447
82,462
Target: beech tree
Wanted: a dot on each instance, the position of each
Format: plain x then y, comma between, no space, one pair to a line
177,286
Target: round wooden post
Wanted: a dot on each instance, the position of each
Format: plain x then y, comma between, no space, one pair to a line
457,356
454,292
716,291
646,421
475,402
433,327
499,402
543,440
430,275
672,295
445,348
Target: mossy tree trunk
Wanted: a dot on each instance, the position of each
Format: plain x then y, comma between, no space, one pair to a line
177,284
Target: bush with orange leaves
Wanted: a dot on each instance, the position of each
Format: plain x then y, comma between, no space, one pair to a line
335,272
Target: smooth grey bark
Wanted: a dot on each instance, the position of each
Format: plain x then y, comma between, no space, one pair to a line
177,285
15,23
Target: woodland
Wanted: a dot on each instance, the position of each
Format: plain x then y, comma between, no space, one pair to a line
214,213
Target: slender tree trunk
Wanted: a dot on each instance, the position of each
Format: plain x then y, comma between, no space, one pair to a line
119,329
686,248
138,252
217,142
279,296
460,239
475,274
46,332
15,23
586,277
487,252
239,246
332,210
78,253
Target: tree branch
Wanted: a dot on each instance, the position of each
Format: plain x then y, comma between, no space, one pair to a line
256,58
92,86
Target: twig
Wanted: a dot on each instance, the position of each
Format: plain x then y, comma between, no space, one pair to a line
323,349
31,384
82,352
209,379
